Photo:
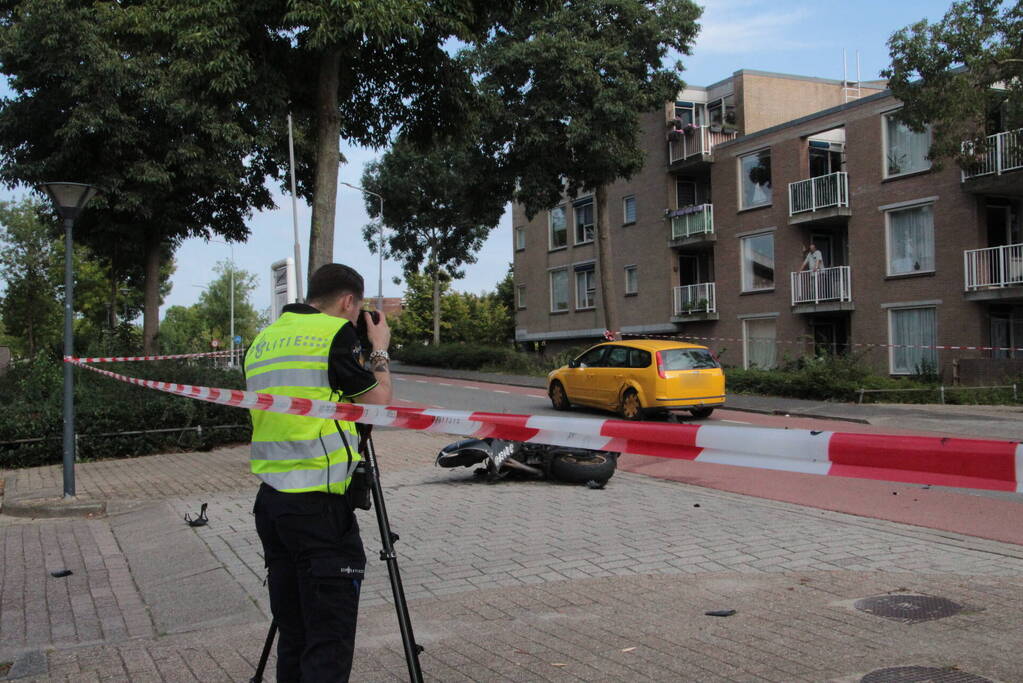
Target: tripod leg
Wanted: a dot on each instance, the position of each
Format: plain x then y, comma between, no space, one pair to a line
270,635
388,555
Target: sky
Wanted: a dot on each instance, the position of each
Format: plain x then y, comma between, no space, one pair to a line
786,36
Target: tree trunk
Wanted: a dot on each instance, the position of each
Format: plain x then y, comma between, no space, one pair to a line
151,295
605,272
112,312
436,299
328,157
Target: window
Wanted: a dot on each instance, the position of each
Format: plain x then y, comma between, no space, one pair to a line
520,238
685,112
687,359
520,297
629,210
558,229
617,357
685,193
909,329
758,347
584,221
904,150
594,358
722,112
631,279
585,289
910,240
559,290
639,358
755,172
758,262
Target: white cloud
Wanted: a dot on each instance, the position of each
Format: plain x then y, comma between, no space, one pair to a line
742,26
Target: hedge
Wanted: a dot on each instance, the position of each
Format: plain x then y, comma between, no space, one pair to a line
31,402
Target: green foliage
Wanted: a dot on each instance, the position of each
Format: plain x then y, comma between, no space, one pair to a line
31,402
564,90
191,329
962,74
465,318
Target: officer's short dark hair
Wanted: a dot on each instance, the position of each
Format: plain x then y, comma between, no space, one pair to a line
333,281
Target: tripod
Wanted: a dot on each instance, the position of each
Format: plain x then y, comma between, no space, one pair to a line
387,554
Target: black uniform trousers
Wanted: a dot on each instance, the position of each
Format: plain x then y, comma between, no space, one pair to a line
315,563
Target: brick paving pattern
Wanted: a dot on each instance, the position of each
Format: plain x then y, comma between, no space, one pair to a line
529,581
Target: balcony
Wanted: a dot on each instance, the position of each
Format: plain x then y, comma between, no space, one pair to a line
1002,154
995,273
695,143
692,225
820,291
820,200
694,303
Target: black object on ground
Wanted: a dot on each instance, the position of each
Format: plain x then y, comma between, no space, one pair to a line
720,613
61,573
201,520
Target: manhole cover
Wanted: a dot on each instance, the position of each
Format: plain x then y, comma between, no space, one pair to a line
909,609
921,674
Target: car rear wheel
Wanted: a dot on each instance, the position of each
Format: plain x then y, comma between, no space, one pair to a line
631,408
701,413
583,467
559,399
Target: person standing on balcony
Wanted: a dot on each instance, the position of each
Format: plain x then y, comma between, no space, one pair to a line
814,260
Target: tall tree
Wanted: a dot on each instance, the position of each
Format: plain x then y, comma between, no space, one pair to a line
30,307
155,104
963,75
439,204
565,92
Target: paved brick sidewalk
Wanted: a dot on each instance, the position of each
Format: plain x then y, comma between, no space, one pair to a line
521,581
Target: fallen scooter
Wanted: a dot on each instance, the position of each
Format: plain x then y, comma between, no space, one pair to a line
499,458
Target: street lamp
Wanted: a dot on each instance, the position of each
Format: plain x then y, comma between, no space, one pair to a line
231,247
380,248
69,199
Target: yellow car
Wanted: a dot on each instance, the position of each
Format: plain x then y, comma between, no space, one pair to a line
640,377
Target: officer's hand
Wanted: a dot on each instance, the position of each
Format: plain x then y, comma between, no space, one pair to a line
379,333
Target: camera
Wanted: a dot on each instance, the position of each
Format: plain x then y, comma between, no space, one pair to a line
361,328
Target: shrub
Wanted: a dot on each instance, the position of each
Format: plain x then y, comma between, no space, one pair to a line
31,397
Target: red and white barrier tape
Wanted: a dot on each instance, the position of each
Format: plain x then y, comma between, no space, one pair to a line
940,347
125,359
965,463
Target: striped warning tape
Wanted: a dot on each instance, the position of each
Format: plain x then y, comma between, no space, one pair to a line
125,359
966,463
941,347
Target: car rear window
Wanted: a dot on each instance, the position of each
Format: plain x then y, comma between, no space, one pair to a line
687,359
638,358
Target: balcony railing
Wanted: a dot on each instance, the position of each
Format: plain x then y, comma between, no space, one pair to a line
695,141
994,267
826,284
1003,153
822,192
692,220
691,299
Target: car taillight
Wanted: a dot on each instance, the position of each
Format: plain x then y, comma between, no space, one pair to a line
660,366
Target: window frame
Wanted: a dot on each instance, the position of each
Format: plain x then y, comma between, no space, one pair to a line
550,228
885,175
742,263
575,222
550,285
746,337
625,210
591,291
739,159
635,269
888,238
891,337
520,238
520,297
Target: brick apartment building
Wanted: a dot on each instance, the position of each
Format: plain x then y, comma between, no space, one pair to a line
709,239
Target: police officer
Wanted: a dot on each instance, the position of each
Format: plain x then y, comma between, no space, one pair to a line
311,544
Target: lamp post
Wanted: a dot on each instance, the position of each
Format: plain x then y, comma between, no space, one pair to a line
69,199
231,247
380,247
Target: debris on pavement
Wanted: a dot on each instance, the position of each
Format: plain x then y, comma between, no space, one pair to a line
61,573
720,613
201,520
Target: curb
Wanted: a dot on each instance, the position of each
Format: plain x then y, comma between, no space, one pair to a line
47,505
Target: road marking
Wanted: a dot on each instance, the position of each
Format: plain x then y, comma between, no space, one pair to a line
400,379
501,391
476,388
444,384
421,381
736,422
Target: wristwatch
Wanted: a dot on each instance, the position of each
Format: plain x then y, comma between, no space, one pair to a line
379,354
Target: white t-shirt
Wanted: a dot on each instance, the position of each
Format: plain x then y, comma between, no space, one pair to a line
814,260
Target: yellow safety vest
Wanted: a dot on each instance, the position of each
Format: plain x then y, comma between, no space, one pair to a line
297,453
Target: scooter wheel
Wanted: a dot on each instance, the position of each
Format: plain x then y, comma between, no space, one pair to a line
579,468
